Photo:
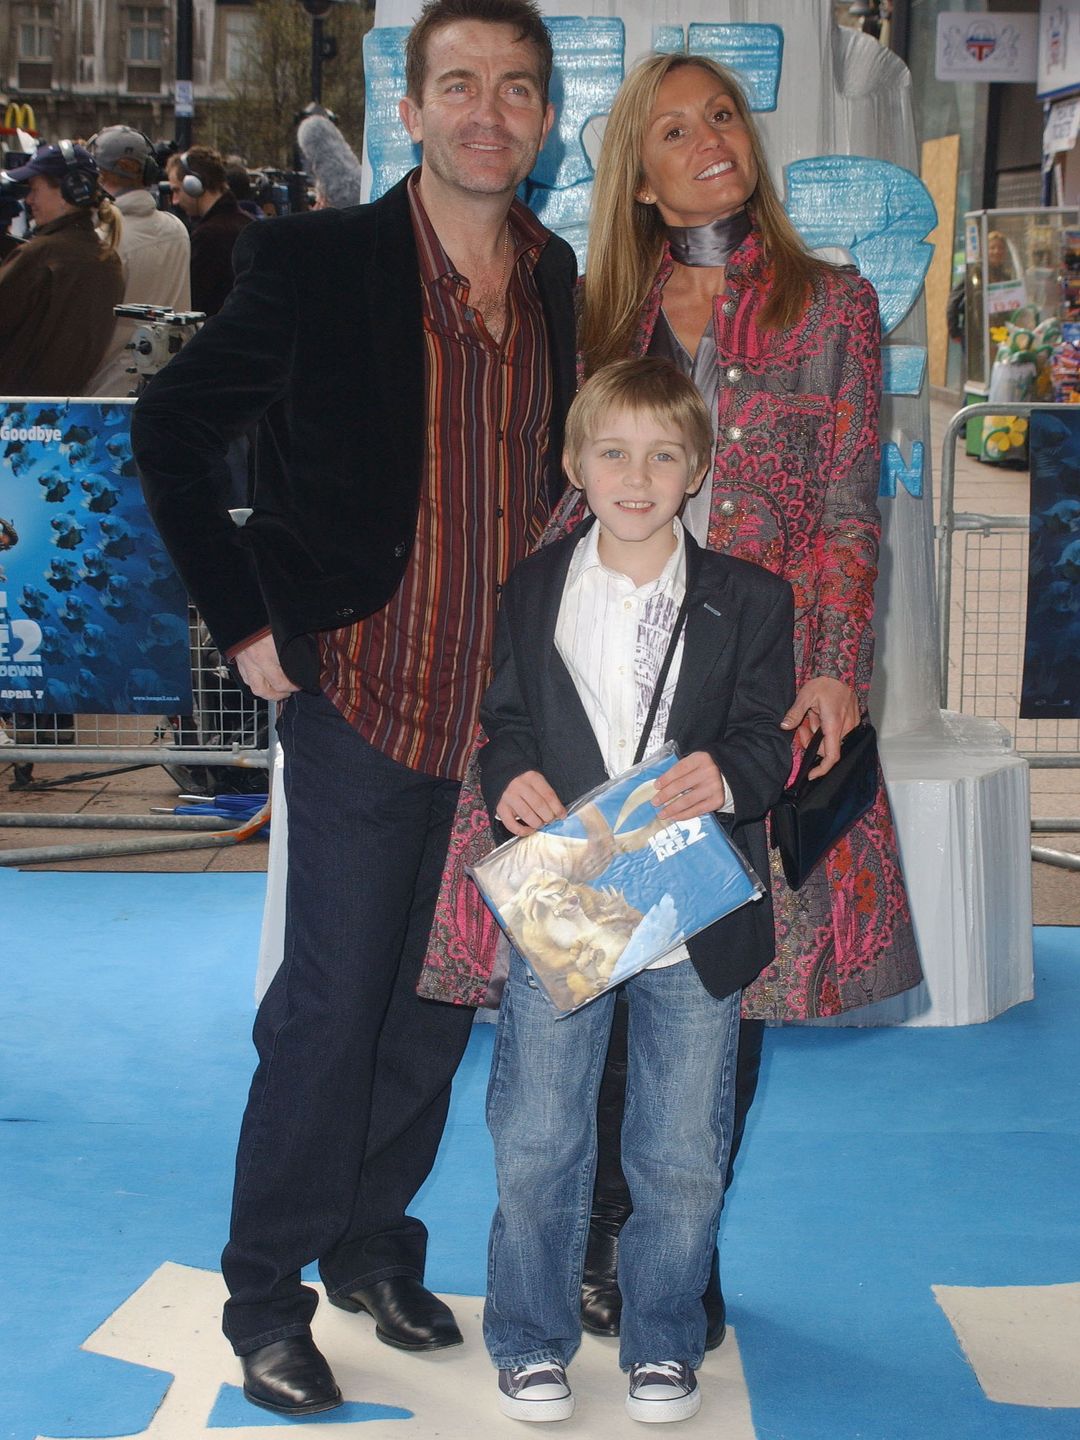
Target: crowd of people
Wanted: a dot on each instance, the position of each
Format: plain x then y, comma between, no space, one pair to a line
118,219
445,533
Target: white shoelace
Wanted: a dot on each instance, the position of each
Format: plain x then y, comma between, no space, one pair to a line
523,1372
672,1370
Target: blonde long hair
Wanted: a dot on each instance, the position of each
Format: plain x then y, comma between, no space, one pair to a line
109,223
626,236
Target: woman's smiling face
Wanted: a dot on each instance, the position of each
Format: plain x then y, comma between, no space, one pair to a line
697,156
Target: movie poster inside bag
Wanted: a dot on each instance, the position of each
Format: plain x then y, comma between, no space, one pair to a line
593,898
93,618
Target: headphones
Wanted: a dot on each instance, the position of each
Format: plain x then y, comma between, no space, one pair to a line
151,170
78,186
190,184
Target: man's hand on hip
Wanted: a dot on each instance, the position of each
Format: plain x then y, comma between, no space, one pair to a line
260,669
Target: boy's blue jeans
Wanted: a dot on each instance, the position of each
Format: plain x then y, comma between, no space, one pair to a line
541,1112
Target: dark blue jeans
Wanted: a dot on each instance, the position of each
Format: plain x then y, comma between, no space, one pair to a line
350,1096
541,1110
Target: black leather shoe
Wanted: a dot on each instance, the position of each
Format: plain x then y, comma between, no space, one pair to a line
715,1308
601,1301
290,1377
407,1316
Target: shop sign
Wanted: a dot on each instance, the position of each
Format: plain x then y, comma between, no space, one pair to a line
1000,47
1058,68
184,99
1062,126
1005,296
971,242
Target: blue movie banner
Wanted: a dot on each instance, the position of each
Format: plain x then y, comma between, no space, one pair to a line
93,619
1051,688
592,898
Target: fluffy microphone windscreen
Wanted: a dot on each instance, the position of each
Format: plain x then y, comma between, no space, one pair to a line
330,160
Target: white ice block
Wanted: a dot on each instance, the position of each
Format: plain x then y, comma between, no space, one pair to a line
960,797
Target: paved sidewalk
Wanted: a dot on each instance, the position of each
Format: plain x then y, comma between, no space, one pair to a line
138,792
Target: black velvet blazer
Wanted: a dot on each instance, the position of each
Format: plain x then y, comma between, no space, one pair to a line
736,681
321,342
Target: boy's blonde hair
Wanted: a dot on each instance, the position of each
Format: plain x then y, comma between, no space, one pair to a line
648,385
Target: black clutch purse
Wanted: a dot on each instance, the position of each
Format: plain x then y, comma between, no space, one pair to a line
812,815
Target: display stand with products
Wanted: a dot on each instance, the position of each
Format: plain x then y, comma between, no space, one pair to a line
1013,304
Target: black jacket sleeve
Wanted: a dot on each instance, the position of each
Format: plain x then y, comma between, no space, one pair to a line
754,755
214,390
512,745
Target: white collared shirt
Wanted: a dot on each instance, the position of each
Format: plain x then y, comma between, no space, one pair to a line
612,636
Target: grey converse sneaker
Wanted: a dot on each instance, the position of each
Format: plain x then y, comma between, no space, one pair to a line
536,1392
661,1391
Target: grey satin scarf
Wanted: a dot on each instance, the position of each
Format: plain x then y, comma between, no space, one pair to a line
712,244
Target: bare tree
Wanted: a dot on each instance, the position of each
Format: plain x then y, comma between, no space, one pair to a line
258,121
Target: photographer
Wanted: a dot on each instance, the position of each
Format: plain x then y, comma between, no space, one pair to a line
57,293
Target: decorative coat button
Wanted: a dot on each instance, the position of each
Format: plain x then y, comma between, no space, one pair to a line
399,549
734,432
727,507
735,372
345,612
729,307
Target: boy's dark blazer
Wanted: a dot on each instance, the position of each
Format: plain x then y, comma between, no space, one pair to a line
321,341
736,680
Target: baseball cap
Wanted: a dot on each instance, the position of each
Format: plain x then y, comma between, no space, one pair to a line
50,162
122,151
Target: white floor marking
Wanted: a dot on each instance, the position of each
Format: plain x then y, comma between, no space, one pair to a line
172,1324
1022,1340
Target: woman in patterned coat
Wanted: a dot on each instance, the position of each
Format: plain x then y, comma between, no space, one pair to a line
691,256
788,350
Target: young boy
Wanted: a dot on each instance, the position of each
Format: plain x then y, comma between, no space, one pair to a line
583,630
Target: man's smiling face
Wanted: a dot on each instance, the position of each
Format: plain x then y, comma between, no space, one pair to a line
481,119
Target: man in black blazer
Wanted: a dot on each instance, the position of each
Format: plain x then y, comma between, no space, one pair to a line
409,363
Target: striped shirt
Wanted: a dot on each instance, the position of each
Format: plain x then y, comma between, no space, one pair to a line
410,677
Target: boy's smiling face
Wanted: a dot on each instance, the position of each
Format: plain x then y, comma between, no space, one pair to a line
635,472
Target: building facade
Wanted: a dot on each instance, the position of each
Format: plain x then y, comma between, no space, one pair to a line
83,64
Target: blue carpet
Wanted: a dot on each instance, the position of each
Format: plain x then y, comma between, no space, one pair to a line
878,1164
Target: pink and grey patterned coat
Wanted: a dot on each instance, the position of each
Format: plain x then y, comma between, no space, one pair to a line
794,489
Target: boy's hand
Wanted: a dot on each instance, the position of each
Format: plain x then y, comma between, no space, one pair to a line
693,786
527,803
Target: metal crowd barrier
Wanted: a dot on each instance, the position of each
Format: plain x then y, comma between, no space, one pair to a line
227,728
982,627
